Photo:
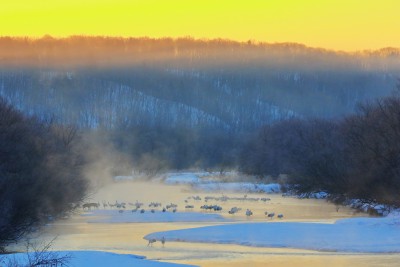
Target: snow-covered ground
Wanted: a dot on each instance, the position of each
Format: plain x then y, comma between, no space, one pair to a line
113,216
210,181
92,258
123,178
370,235
184,178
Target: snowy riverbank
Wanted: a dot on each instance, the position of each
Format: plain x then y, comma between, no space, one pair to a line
209,182
370,207
90,258
214,182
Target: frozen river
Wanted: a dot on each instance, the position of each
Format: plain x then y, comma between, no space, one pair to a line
101,231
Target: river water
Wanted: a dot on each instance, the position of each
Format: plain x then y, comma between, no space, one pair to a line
75,233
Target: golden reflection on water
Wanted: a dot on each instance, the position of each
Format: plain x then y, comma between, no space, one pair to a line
76,234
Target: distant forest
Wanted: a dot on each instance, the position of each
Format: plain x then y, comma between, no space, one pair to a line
210,104
357,156
115,82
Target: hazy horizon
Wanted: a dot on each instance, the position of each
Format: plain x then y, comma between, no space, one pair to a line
105,51
348,25
196,39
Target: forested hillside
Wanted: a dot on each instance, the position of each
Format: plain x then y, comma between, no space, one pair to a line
217,84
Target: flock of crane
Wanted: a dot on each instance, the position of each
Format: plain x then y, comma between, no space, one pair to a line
157,206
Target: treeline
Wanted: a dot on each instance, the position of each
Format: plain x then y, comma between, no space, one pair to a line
103,51
40,173
354,157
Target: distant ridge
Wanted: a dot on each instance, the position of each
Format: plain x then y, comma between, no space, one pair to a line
83,51
72,38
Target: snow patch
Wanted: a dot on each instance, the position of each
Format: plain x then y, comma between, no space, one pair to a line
206,181
123,178
182,178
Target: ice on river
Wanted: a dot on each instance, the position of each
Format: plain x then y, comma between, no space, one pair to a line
370,235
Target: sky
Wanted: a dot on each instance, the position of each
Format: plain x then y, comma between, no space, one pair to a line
333,24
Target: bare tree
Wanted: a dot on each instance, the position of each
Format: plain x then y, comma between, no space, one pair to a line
37,255
40,178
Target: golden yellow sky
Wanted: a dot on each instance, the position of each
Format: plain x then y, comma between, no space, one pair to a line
335,24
